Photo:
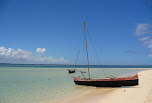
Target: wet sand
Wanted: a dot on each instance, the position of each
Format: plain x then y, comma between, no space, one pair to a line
93,95
133,94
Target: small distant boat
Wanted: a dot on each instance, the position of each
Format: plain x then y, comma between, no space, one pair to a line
74,70
109,81
71,70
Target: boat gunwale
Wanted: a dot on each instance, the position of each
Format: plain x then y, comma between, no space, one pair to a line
134,77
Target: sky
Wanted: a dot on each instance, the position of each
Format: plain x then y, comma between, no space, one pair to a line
52,31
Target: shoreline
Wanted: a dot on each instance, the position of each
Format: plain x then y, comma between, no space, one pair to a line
141,93
92,95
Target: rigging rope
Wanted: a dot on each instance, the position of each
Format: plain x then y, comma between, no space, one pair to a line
76,59
95,51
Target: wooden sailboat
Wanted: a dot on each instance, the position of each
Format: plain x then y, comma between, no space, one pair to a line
74,70
71,70
108,82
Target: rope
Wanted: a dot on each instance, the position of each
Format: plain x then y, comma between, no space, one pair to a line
95,51
76,59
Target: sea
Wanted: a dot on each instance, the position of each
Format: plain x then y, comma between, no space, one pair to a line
45,83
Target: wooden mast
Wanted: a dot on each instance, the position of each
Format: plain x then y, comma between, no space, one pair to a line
86,49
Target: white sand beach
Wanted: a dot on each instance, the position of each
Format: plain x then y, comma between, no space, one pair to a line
135,94
141,93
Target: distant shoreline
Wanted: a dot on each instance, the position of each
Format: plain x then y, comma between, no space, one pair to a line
72,66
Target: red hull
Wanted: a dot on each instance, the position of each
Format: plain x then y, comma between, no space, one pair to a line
112,82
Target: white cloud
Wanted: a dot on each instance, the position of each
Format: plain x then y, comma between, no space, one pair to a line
150,55
147,42
41,50
21,56
144,39
143,29
14,54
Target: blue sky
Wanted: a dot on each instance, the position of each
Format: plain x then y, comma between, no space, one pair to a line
51,31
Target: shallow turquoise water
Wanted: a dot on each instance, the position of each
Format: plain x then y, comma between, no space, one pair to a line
33,85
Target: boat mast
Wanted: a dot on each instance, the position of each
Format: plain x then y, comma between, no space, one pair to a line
86,49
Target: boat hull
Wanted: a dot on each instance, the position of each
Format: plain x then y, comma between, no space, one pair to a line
71,71
117,82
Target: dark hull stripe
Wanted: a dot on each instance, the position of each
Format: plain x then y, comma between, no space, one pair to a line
108,83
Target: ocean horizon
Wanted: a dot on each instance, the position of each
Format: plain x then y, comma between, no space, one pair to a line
73,66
